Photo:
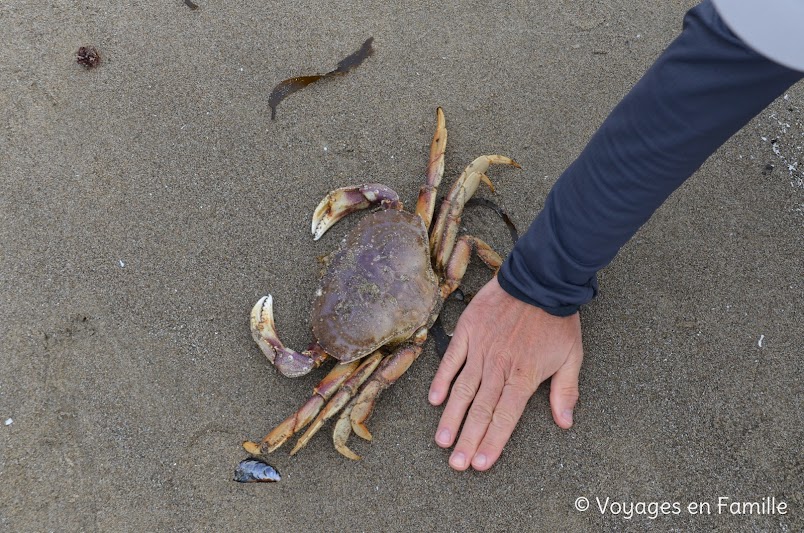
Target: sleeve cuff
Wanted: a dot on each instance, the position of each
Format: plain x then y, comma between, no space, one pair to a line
563,310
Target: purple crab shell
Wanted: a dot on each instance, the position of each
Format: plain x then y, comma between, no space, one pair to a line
379,287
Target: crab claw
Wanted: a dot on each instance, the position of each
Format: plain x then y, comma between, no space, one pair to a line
289,362
340,202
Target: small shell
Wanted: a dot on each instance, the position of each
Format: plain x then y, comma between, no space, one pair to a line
255,471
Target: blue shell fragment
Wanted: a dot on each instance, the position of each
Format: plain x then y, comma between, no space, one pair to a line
255,471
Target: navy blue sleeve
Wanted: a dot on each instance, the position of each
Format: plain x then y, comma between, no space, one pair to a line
704,87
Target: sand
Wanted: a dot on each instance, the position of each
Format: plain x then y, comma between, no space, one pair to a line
148,203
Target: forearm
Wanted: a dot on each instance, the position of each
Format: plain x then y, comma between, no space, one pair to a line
701,90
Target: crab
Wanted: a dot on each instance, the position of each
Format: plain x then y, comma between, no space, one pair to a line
380,293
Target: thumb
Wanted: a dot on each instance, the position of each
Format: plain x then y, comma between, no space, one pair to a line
564,390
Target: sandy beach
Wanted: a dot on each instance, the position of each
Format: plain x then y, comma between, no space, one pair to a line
147,203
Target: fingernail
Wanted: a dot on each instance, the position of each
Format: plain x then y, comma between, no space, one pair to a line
458,460
443,437
433,397
479,461
566,414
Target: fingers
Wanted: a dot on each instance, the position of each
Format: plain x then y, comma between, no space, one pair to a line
564,388
453,360
464,389
506,415
479,417
461,397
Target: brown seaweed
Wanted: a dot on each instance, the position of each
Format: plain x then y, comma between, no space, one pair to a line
190,4
500,212
354,59
289,86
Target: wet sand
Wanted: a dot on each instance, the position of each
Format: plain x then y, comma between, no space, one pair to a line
149,202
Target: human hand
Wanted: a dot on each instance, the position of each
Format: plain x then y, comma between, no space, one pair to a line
509,348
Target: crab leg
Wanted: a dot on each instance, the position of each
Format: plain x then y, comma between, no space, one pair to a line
459,260
340,202
435,171
344,394
359,410
295,422
445,231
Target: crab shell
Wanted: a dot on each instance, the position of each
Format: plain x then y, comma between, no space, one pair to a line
379,287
